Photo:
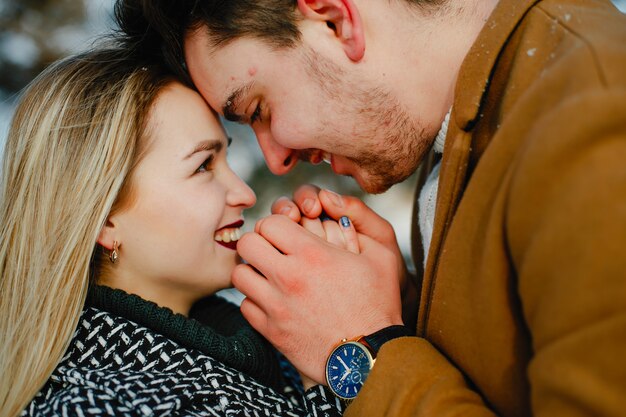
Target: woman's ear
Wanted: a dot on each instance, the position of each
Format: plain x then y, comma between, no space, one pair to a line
343,17
108,235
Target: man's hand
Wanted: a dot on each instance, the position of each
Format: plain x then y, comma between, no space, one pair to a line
309,202
305,294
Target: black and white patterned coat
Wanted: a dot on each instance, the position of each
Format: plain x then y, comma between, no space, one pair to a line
115,367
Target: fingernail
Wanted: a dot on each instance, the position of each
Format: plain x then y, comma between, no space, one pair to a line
344,221
285,210
308,204
335,198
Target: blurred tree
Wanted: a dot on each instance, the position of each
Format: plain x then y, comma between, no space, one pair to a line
32,36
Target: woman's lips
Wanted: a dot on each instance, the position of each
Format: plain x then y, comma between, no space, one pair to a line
229,235
230,245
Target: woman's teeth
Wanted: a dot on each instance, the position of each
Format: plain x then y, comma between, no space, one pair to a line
228,235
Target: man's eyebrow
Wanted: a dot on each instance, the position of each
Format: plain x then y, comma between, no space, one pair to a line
207,145
229,108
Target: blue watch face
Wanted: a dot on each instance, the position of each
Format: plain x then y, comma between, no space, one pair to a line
347,368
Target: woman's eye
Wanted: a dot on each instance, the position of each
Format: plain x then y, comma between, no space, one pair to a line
256,115
206,165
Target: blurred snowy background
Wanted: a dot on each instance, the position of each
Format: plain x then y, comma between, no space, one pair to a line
34,33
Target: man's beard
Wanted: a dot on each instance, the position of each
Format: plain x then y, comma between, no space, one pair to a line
384,142
397,149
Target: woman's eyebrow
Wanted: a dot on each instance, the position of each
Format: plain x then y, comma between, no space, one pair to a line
207,145
229,108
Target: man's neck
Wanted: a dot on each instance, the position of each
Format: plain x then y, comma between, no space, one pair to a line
421,52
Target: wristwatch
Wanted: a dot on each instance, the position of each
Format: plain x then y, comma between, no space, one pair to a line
351,361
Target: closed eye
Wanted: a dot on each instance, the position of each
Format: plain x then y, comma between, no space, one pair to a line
256,115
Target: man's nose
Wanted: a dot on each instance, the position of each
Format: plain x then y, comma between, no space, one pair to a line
279,159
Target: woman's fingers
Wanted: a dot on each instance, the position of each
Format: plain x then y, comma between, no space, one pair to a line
287,207
349,235
306,198
314,226
333,233
365,220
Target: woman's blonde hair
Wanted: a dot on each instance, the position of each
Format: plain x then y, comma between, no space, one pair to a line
77,133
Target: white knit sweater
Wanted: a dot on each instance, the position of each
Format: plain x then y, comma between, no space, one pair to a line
428,195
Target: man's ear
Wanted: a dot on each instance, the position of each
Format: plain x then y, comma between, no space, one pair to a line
108,235
343,17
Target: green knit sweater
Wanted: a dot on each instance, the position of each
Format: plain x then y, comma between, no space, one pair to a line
215,327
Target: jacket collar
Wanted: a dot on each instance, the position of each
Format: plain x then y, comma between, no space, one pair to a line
472,85
477,66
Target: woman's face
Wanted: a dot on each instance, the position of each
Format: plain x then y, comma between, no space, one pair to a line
177,237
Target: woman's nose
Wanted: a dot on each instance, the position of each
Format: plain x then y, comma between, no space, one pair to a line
239,193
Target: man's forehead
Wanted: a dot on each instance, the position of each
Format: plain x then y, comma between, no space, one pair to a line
212,75
226,65
225,74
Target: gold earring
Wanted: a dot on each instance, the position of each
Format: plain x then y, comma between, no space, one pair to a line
114,255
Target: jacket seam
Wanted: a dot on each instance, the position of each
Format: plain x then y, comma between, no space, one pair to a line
596,62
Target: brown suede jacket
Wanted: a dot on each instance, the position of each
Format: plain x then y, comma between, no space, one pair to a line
523,298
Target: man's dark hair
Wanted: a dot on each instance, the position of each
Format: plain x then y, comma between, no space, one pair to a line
156,28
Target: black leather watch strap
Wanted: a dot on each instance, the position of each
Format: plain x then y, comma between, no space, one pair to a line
379,338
